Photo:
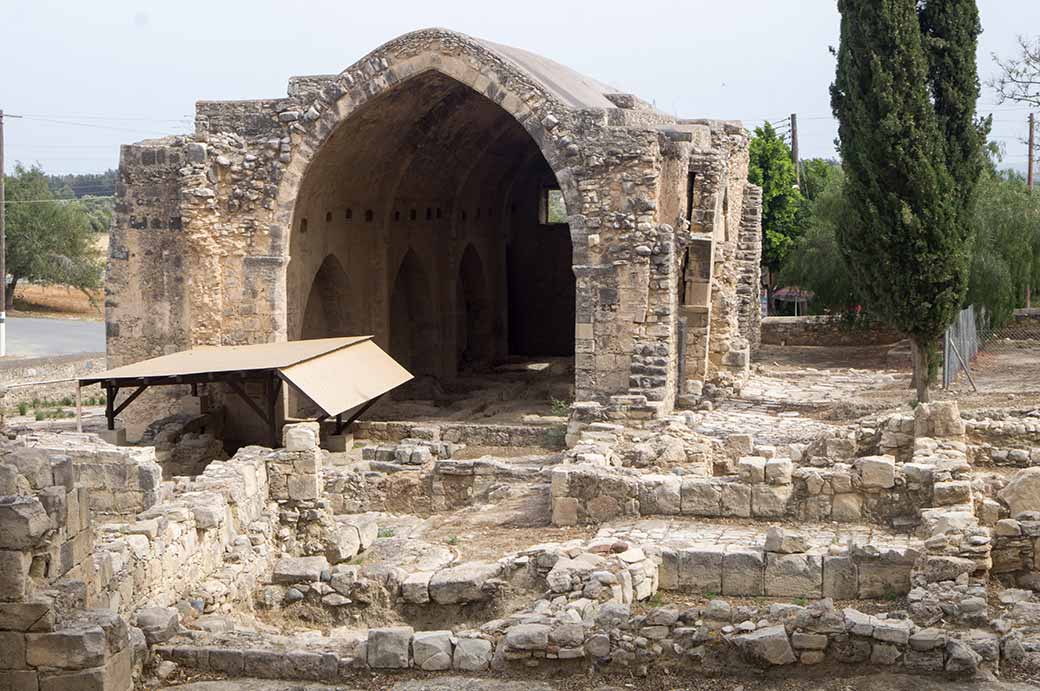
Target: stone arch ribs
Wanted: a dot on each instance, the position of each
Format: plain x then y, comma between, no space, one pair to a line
413,324
474,340
328,309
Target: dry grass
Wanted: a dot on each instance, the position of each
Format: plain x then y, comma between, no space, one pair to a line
56,301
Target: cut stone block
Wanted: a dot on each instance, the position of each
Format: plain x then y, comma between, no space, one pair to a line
14,574
840,579
431,650
67,649
462,583
471,655
23,522
301,436
876,472
769,645
794,575
778,471
700,569
388,648
416,587
770,501
701,497
743,572
751,469
847,508
527,637
289,570
879,579
736,500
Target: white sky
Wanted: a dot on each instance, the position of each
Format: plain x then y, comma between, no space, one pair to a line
132,70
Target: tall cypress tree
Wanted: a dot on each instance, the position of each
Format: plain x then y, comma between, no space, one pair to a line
904,96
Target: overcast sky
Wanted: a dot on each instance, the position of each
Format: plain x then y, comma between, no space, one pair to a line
130,70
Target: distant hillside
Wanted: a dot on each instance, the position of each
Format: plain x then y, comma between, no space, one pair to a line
87,185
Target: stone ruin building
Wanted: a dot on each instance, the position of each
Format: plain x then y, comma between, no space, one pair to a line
463,202
657,528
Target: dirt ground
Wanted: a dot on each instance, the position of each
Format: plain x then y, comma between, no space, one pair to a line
32,300
1006,374
817,682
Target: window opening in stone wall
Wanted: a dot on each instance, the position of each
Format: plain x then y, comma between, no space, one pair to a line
438,213
725,216
429,214
684,267
551,207
349,215
328,217
397,215
369,215
412,215
691,186
303,225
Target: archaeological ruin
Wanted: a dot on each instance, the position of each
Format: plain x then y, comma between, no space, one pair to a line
464,202
589,478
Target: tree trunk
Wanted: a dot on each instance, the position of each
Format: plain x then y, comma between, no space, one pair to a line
9,295
920,354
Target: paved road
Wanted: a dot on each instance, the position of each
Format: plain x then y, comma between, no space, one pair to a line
35,337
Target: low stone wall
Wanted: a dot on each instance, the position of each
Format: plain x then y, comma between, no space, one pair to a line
121,480
29,370
543,436
48,641
869,488
610,637
177,549
1011,442
824,331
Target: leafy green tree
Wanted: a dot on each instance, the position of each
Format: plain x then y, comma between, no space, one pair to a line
771,169
904,95
817,176
48,241
815,262
1006,258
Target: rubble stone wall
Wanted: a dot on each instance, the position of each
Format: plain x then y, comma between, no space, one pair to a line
120,480
813,330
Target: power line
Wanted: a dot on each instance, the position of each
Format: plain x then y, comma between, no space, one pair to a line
56,201
91,125
114,118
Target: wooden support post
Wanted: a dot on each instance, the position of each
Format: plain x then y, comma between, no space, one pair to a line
110,399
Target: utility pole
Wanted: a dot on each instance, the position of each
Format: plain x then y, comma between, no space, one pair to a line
1032,150
794,149
3,247
1029,185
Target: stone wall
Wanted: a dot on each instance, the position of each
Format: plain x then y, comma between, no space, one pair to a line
176,549
27,370
813,330
48,640
749,255
869,488
120,480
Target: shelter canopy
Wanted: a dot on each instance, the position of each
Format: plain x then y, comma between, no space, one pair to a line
337,374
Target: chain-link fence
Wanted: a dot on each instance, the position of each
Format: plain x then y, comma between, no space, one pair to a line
971,332
962,343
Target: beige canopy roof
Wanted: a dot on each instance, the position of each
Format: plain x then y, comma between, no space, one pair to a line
337,374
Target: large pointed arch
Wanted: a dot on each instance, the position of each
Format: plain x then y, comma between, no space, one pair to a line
485,71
